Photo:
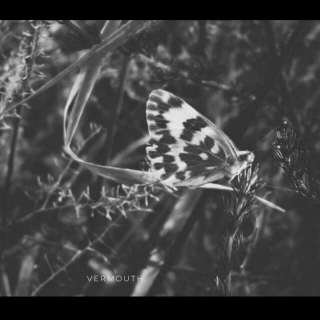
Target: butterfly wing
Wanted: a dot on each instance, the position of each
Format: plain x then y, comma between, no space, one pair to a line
186,149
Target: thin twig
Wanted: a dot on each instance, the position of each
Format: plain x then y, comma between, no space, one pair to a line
74,258
117,112
106,153
83,150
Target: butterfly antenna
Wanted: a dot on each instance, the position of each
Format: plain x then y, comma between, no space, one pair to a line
262,149
273,187
267,135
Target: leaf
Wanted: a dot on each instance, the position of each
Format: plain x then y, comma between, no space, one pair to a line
126,176
82,90
25,277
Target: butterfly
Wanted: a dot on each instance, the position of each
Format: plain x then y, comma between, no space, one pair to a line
185,148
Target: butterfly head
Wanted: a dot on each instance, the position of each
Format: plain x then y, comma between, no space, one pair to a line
244,159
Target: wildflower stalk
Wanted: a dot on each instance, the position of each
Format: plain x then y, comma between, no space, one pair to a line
233,241
29,48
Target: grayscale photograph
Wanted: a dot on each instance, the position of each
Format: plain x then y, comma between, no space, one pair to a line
159,158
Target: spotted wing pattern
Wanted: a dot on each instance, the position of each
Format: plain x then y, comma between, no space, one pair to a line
185,149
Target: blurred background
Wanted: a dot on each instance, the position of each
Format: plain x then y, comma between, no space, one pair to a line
67,232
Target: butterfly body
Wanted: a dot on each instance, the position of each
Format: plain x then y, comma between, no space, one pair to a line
187,149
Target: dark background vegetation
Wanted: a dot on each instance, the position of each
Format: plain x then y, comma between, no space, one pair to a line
57,228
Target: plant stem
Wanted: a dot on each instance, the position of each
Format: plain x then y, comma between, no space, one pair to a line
29,62
105,154
10,166
116,114
14,140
